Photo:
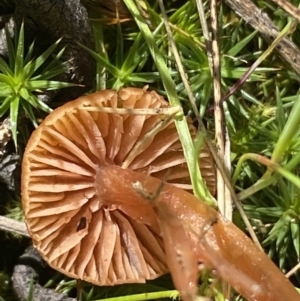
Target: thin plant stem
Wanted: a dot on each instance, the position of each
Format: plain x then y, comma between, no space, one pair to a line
259,185
271,165
205,31
293,270
289,131
145,296
227,163
218,106
224,204
158,111
265,182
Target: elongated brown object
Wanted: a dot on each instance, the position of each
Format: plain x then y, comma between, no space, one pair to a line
88,220
218,243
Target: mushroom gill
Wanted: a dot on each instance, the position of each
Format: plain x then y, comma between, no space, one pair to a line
79,232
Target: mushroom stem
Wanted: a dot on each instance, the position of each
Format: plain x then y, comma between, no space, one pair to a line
217,242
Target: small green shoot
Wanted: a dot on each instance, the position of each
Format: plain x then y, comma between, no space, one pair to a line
24,77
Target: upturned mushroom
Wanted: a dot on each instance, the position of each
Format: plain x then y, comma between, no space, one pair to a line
77,225
97,209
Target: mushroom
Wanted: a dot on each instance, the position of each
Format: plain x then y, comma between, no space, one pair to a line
97,209
80,219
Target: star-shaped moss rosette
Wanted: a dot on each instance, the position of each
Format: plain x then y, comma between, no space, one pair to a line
24,76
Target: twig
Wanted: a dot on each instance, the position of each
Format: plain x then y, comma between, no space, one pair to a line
11,225
223,203
227,164
293,270
218,106
261,22
169,111
224,199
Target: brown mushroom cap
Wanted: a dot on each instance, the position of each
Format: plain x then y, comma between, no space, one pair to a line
103,241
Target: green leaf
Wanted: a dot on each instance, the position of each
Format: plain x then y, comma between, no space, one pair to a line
24,93
29,53
28,109
33,66
143,77
19,60
250,97
242,44
5,105
103,61
97,28
10,48
279,230
237,73
119,47
282,233
8,80
55,61
52,72
280,111
271,211
36,85
4,68
39,104
30,296
282,250
5,90
130,61
31,100
14,110
295,231
289,131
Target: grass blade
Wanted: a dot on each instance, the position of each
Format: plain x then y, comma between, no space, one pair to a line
14,111
19,62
